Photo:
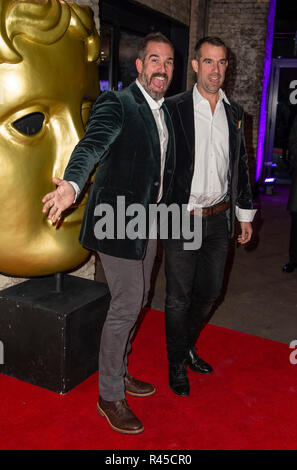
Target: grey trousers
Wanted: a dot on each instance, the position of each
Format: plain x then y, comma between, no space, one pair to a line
129,285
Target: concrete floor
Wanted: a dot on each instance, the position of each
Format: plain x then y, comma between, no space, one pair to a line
258,298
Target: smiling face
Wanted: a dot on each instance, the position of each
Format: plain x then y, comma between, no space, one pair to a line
45,100
156,69
210,69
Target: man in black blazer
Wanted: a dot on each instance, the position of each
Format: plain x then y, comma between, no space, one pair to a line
212,181
130,137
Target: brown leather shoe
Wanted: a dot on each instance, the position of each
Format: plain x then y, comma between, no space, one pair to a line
120,416
137,388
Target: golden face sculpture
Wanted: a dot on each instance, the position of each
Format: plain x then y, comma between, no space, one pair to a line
49,53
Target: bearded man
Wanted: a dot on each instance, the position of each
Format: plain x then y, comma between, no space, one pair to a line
131,140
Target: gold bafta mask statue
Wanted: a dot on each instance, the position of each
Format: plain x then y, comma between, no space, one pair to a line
49,53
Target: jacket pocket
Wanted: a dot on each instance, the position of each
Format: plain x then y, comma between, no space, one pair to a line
111,195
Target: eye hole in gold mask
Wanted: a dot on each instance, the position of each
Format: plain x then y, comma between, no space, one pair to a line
44,46
30,124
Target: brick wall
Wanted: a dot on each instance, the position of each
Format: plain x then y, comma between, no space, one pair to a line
198,29
177,9
242,26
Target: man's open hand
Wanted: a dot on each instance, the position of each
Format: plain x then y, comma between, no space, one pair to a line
58,200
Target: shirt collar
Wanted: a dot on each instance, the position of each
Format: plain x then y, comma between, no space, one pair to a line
198,97
151,102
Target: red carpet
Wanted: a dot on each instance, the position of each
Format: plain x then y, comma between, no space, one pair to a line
248,402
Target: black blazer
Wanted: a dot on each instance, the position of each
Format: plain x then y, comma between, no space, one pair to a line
122,138
181,109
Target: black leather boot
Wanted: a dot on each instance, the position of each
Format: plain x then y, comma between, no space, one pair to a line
196,363
178,380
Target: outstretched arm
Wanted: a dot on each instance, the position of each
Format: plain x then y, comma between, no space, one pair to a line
104,126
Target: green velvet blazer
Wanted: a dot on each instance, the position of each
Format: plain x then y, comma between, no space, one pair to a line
122,140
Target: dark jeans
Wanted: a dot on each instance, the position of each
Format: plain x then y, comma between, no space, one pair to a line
293,239
194,281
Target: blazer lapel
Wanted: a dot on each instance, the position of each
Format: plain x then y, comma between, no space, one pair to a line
168,122
186,115
149,120
232,118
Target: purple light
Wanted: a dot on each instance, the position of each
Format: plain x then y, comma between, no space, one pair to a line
265,81
104,85
269,180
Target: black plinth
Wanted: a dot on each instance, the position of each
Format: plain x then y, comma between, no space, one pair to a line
52,339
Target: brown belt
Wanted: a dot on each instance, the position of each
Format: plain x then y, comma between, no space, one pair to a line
204,211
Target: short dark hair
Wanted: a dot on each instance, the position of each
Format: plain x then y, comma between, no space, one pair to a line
152,37
213,40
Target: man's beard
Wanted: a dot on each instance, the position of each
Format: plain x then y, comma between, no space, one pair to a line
147,81
214,87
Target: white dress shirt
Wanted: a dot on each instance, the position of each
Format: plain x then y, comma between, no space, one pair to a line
210,178
158,114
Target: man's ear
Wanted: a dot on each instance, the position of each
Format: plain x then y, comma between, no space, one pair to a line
139,65
195,65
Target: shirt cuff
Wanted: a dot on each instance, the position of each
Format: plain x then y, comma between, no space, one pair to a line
245,215
76,189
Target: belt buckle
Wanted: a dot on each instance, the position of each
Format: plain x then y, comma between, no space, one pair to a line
206,211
